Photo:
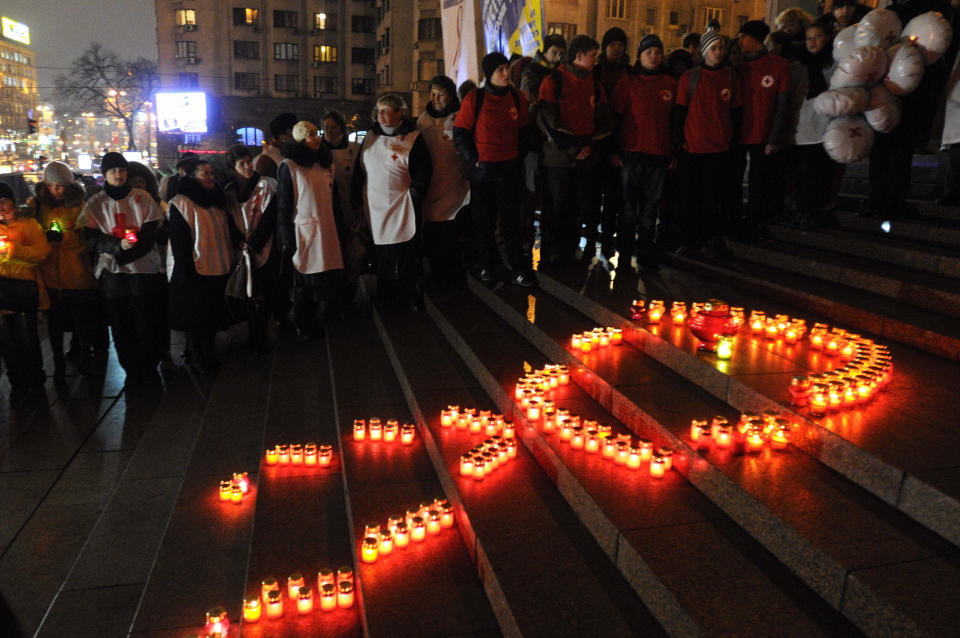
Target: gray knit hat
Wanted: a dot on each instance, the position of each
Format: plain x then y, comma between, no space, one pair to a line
57,173
707,39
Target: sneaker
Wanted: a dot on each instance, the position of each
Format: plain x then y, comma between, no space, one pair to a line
488,275
524,278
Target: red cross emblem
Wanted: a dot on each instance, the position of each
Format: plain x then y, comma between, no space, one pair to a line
394,157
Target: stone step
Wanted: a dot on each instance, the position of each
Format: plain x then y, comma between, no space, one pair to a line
300,523
877,247
907,457
931,292
544,573
915,208
631,531
934,230
762,493
428,588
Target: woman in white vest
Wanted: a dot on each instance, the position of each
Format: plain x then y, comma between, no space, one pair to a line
396,176
346,164
121,224
202,240
308,227
253,205
449,191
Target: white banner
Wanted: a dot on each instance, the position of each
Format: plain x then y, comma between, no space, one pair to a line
460,41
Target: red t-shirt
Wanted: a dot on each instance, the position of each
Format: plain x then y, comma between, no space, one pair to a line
708,128
497,133
645,101
761,81
577,100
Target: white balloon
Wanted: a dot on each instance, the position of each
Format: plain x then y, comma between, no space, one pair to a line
880,27
864,67
883,111
931,32
844,101
905,69
844,43
848,139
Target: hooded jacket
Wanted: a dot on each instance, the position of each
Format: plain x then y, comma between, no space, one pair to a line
68,266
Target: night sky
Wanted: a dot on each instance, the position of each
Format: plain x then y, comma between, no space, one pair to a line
60,31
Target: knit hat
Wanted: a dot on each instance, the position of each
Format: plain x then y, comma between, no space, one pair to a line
707,39
112,160
491,62
57,173
6,192
302,129
614,34
756,29
648,41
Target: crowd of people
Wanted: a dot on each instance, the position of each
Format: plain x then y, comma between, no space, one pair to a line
606,157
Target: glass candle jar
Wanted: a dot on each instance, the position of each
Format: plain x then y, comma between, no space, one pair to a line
591,442
274,604
344,573
446,516
218,624
724,437
780,437
418,531
236,494
225,488
273,456
294,582
433,522
345,594
695,429
633,458
512,449
375,430
390,431
325,455
386,542
609,450
251,609
304,600
369,549
325,575
466,465
754,442
667,455
328,598
401,536
296,454
407,434
359,429
623,452
658,466
646,449
268,585
310,454
284,452
576,438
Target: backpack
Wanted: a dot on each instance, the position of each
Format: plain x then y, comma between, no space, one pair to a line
481,92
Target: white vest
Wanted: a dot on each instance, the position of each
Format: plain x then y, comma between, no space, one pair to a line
247,215
344,162
133,211
449,187
212,251
315,230
386,161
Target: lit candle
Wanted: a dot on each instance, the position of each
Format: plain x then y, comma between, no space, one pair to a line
780,438
294,582
575,341
724,436
616,336
706,437
818,400
433,522
446,516
636,309
667,455
609,448
476,425
623,452
799,391
325,575
509,431
754,440
678,317
390,431
564,375
236,494
658,467
592,442
345,594
654,314
344,573
218,624
724,348
566,430
646,449
512,449
479,468
268,585
633,458
274,604
310,454
816,340
770,331
251,610
226,487
375,429
832,346
401,536
407,434
604,339
835,395
369,549
466,465
419,530
296,454
386,542
491,428
533,411
304,600
445,419
695,428
325,455
359,429
586,344
272,456
576,438
284,453
328,597
790,335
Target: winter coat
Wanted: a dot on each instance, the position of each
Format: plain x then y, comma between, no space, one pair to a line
27,248
69,264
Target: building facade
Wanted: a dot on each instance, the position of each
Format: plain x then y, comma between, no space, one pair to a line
409,49
258,58
18,81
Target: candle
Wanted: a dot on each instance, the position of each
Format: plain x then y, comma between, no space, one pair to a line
274,604
623,451
724,436
636,309
369,549
706,437
724,348
509,431
294,582
646,449
284,452
616,336
325,455
512,449
218,624
345,594
609,448
328,597
654,314
310,454
445,419
268,585
575,341
816,341
633,458
296,454
564,375
576,438
406,434
359,429
251,609
667,455
818,400
304,600
272,456
325,575
491,428
375,430
236,494
401,536
566,430
466,465
695,428
226,487
770,331
790,335
780,438
832,346
433,522
419,530
446,516
754,440
678,317
344,573
799,391
390,431
658,467
592,442
586,344
604,339
533,411
386,542
476,425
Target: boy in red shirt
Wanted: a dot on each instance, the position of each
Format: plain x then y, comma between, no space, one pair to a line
644,101
491,132
575,117
765,85
705,123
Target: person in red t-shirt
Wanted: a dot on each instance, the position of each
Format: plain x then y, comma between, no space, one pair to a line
574,115
704,124
491,132
643,100
765,85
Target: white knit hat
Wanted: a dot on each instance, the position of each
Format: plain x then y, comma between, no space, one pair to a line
707,39
302,129
57,173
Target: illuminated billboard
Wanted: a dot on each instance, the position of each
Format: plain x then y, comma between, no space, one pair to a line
15,30
182,112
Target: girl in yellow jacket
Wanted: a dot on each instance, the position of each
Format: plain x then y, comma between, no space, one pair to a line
23,247
67,272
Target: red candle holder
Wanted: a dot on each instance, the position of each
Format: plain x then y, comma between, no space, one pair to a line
712,323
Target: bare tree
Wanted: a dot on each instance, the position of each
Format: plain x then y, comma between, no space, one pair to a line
105,84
